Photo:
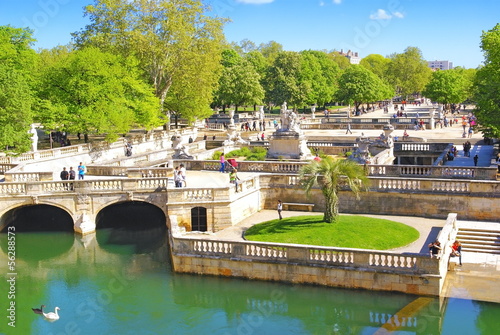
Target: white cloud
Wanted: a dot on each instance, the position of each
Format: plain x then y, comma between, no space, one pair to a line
337,2
399,15
321,3
380,15
255,2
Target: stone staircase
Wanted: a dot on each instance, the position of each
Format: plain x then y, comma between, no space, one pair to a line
479,240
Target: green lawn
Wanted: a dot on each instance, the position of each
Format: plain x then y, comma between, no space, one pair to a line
350,231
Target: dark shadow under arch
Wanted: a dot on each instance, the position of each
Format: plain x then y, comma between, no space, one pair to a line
37,218
135,225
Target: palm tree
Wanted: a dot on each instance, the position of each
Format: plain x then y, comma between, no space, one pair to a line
331,175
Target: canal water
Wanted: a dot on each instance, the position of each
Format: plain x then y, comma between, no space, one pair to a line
118,282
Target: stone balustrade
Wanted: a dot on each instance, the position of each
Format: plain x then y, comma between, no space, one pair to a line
424,171
306,255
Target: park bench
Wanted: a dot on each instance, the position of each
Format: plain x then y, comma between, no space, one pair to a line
287,205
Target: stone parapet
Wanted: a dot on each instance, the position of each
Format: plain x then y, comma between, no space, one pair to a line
342,267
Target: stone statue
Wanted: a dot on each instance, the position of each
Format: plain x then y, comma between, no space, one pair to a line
34,138
261,113
231,117
181,151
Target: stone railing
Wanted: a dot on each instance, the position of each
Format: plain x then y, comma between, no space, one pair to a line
427,171
306,255
432,171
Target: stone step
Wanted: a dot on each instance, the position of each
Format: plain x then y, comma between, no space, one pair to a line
488,251
478,236
479,231
490,244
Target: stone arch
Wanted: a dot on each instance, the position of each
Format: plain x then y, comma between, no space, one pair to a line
37,217
131,224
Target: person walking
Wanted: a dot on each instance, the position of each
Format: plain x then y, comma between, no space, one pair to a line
81,171
348,129
222,164
72,174
476,158
280,208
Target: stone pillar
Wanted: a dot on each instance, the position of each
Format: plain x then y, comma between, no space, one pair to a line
85,224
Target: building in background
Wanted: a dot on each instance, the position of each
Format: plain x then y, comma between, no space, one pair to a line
440,65
352,56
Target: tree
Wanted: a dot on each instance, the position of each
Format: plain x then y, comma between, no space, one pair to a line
239,85
448,86
408,72
17,64
171,39
284,81
377,64
487,84
331,176
342,61
94,92
322,73
358,85
270,50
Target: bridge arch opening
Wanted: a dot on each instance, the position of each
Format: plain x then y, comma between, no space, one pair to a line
37,218
132,224
46,229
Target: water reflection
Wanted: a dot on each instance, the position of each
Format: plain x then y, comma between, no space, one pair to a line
125,286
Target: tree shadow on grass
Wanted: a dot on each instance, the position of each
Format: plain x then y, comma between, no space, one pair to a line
285,225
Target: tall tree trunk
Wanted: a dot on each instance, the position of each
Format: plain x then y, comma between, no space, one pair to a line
331,207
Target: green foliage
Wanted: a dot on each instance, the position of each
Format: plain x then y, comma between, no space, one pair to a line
176,43
216,155
408,72
358,85
284,80
320,73
94,92
487,83
449,86
331,175
377,64
254,154
17,83
350,231
342,61
240,85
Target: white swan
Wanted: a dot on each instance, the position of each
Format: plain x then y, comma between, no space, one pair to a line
52,315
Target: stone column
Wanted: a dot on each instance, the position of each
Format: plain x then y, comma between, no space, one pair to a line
313,111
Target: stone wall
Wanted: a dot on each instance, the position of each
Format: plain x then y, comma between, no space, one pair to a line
349,268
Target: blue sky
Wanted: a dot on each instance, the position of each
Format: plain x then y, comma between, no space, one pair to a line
442,29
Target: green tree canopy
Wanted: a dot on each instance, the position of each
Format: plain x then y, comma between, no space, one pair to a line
342,61
331,176
322,74
358,85
448,86
174,41
17,64
487,83
239,85
377,64
95,92
408,72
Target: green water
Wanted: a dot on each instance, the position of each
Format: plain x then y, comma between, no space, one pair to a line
106,286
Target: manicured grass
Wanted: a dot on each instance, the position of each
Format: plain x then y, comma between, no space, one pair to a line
350,231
